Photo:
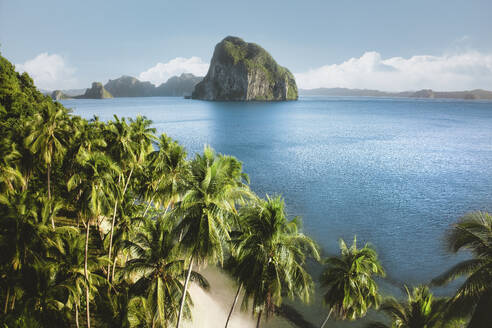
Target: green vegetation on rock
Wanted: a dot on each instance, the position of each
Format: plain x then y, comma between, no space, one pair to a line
244,71
97,91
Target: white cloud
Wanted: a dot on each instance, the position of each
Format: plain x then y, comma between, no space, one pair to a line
161,72
468,70
49,72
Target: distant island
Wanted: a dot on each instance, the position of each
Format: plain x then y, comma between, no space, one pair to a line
424,93
128,86
242,71
97,91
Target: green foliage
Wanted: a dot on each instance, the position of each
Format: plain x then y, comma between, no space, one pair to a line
421,310
473,232
270,255
351,288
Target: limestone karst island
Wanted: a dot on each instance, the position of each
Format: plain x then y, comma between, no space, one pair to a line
242,71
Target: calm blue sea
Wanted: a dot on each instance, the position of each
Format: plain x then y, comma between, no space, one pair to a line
394,172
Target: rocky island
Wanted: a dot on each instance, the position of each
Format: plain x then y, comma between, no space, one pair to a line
97,91
59,95
242,71
129,86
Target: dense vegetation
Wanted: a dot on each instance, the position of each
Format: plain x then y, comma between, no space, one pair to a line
103,223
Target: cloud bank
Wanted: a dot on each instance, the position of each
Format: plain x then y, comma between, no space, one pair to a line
465,71
161,72
49,72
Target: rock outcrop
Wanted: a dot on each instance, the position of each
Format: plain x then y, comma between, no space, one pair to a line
59,95
175,86
128,86
178,86
241,71
97,91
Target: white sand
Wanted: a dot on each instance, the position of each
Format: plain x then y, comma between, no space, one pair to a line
212,307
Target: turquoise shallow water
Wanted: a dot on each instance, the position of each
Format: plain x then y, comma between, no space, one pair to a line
395,172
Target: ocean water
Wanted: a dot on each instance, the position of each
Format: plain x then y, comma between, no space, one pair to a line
395,172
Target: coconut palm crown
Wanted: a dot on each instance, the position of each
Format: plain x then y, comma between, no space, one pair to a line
473,232
349,281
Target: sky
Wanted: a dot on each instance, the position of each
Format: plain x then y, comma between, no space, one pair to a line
391,45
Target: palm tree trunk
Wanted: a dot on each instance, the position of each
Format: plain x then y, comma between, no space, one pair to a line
111,238
259,319
12,305
48,177
327,317
233,304
114,218
167,207
76,315
5,309
48,173
112,229
185,288
148,205
86,274
127,182
114,267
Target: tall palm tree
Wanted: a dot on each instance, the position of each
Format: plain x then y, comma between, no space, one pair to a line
167,172
270,257
131,144
215,185
122,151
70,272
47,138
160,270
472,232
93,192
421,310
349,280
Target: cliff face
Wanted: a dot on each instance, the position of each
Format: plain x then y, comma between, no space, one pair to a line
178,86
59,95
242,71
97,91
128,86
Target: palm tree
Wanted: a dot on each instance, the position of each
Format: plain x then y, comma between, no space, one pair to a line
215,185
166,173
25,236
421,310
270,256
473,232
47,138
93,192
70,272
128,226
10,177
160,270
141,312
351,289
27,242
122,150
131,144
